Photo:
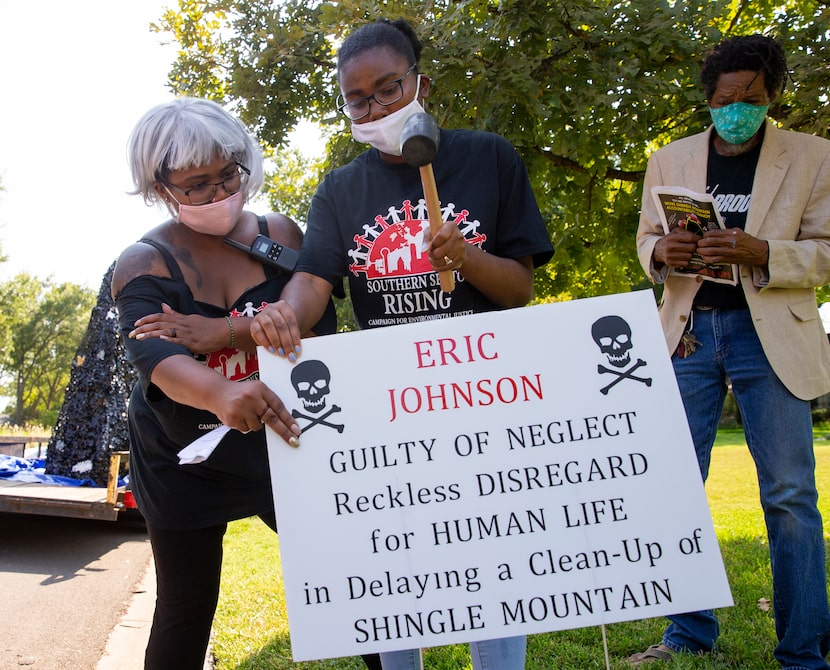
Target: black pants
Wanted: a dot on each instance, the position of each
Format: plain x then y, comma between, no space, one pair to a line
188,572
372,661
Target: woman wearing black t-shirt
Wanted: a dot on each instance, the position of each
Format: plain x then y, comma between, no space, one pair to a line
368,222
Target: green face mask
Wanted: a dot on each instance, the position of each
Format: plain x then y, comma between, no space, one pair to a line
738,122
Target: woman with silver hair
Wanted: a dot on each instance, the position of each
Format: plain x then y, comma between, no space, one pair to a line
185,300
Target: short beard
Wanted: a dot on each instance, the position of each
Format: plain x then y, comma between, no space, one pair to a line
724,148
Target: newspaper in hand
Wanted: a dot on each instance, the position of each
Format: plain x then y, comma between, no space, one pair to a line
696,212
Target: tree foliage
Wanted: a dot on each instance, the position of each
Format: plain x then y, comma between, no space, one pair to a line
584,89
292,182
40,329
3,257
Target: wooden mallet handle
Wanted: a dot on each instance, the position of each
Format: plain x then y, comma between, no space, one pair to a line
435,218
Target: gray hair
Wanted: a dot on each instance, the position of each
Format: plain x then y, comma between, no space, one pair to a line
184,133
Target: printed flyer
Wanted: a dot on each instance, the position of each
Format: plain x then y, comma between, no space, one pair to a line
696,212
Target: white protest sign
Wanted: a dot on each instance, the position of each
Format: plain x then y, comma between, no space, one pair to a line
487,476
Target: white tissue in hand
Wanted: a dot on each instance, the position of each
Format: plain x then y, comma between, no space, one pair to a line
200,449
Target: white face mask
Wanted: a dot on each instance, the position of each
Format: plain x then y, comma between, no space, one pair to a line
214,218
385,133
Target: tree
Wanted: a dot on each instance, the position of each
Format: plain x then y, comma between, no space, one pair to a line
41,326
583,89
3,257
292,182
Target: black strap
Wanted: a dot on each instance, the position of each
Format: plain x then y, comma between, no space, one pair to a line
174,269
263,225
172,265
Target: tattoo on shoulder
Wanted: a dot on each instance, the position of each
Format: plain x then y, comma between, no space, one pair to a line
185,258
136,263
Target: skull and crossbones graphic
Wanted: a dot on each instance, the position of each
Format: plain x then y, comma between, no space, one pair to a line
612,335
311,380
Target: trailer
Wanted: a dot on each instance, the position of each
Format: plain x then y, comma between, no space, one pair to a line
82,502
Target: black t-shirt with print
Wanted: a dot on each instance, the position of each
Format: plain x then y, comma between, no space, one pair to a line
367,222
729,179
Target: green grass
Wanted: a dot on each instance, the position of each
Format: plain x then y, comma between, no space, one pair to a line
251,629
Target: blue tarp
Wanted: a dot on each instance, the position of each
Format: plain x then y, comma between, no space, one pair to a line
32,470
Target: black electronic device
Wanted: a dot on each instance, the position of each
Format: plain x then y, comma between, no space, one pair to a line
268,252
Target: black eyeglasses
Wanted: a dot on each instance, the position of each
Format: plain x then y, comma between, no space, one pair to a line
202,194
386,95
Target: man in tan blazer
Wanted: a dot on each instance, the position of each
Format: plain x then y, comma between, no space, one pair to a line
764,336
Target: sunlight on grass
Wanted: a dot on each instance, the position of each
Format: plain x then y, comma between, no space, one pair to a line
732,488
251,626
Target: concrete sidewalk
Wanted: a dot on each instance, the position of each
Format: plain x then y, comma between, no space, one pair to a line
128,640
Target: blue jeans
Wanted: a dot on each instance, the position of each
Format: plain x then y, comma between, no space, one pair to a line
778,430
506,653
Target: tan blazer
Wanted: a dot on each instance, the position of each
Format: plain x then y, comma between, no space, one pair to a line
790,208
